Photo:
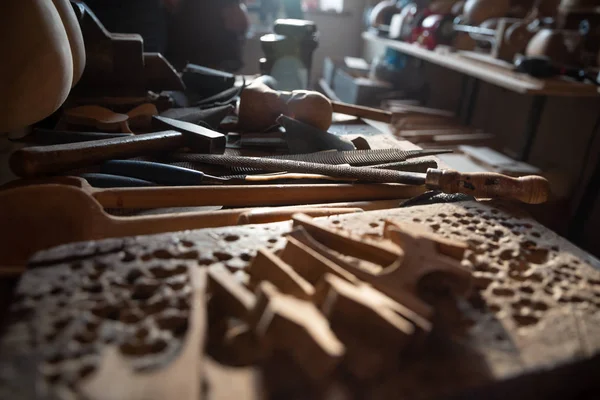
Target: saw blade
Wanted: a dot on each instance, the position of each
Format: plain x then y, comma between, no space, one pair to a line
339,171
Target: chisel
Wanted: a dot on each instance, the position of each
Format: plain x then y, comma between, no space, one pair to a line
531,189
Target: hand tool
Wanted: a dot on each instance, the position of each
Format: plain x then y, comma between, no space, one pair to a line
408,166
35,161
355,158
304,138
171,175
542,67
206,81
230,196
195,115
37,217
42,137
529,189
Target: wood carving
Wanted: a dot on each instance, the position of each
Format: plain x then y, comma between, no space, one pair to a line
97,117
372,330
532,313
296,326
266,266
34,35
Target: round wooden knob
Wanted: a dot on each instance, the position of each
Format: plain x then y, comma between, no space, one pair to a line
549,43
75,37
477,11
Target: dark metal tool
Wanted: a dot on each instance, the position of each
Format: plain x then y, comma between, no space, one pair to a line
305,138
195,115
43,160
162,174
99,180
528,189
354,157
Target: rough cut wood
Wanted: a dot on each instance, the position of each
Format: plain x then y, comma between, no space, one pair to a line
530,328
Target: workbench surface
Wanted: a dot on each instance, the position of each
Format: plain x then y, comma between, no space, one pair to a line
530,329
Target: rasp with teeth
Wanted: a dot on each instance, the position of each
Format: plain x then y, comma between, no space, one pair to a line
528,189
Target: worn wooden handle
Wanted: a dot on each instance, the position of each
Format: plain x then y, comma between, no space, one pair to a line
267,215
362,112
43,160
530,189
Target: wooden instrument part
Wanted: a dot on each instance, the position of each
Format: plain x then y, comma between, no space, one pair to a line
232,298
73,30
266,266
25,219
406,303
374,335
297,327
97,117
359,248
313,266
180,379
427,253
260,106
34,36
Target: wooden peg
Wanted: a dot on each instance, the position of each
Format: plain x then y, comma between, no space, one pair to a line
427,256
360,248
266,266
298,327
307,262
406,303
140,117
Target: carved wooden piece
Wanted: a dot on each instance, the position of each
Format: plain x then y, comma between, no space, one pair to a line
373,332
73,30
232,298
534,307
67,214
297,326
97,117
266,266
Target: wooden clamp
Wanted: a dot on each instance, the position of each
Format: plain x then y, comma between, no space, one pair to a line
427,256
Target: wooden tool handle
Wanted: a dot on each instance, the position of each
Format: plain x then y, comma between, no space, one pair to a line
530,189
43,160
250,196
362,112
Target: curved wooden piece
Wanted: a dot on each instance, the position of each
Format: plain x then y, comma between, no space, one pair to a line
73,30
36,73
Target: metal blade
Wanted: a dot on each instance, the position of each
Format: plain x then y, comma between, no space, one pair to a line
338,171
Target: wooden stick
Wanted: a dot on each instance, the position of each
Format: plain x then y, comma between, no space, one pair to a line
362,112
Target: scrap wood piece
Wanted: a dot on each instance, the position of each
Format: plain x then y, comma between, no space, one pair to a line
409,305
372,330
378,253
307,262
427,256
266,266
298,327
115,380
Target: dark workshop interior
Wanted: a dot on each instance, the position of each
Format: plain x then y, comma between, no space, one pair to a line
299,199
